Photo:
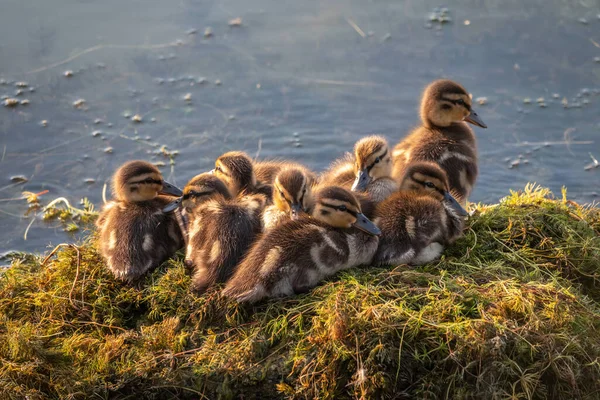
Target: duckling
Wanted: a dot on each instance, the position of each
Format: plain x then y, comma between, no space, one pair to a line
369,170
266,170
220,229
236,169
135,235
444,137
419,220
296,255
292,196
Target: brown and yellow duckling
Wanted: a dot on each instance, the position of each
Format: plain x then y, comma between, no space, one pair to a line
267,170
292,196
295,256
220,228
420,220
135,235
444,137
368,170
236,169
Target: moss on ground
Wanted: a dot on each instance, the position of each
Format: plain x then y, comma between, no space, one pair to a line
510,312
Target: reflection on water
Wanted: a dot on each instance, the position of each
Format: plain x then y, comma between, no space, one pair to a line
300,80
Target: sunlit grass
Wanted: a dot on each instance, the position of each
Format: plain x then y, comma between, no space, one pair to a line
510,312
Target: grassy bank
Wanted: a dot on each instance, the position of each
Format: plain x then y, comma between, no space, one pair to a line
511,311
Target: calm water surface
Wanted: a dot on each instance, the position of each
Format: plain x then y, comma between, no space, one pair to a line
298,79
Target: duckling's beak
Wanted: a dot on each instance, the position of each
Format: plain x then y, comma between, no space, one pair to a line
474,119
296,210
170,189
172,206
364,224
455,205
361,181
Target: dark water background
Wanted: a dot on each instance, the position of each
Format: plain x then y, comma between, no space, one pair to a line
298,80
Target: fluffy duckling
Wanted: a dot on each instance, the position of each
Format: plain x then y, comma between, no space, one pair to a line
444,137
297,255
220,228
135,235
419,220
236,169
369,170
292,196
266,171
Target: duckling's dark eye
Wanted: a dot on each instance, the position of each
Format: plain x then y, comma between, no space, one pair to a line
430,185
281,193
342,208
377,160
446,106
218,169
304,191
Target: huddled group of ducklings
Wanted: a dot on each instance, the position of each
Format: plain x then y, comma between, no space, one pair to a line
274,228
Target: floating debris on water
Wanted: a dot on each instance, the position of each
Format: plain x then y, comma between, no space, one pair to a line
187,97
218,82
540,100
98,121
152,119
467,22
514,164
21,84
3,82
231,117
208,32
68,73
11,102
565,102
79,103
24,102
96,133
89,181
597,59
108,150
44,122
137,118
127,114
481,101
192,31
386,37
19,179
440,16
201,80
235,22
583,21
18,92
543,105
160,163
555,96
526,100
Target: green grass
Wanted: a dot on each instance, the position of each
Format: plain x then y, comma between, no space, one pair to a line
510,312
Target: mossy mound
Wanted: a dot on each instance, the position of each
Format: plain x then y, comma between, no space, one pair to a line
511,311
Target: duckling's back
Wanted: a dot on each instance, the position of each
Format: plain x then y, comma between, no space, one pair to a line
296,256
454,149
220,233
137,237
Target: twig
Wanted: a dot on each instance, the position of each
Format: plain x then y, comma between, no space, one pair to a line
103,46
595,43
356,27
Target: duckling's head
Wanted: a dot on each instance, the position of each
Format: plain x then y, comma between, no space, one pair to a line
339,208
373,161
292,191
428,178
446,102
201,188
236,170
137,181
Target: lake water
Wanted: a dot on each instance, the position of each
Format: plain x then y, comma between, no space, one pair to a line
298,79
